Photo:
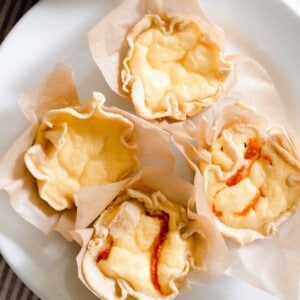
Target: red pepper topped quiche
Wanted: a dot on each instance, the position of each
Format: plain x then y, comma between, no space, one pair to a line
144,245
251,181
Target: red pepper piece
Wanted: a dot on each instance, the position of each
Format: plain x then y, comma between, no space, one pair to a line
104,253
240,174
157,244
268,160
253,150
216,212
251,205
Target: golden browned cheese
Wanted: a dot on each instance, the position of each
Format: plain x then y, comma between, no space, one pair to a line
175,60
81,146
248,184
132,232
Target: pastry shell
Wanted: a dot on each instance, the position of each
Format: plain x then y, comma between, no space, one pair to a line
198,154
112,55
192,76
80,146
150,186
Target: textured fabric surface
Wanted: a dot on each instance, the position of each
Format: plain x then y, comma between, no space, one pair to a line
11,287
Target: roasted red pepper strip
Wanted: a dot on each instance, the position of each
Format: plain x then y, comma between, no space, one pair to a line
104,253
240,174
253,150
164,228
216,212
251,205
268,160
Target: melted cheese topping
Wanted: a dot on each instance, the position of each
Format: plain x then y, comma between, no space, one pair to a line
130,255
74,152
183,63
262,194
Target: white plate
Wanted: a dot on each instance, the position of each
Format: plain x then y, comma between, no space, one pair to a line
55,31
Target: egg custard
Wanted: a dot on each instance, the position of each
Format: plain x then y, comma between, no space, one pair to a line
173,68
80,146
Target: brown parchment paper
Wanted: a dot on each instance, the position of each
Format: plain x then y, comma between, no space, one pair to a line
95,199
271,263
108,40
57,90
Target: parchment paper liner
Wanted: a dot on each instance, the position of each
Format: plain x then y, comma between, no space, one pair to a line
109,50
271,263
93,200
58,90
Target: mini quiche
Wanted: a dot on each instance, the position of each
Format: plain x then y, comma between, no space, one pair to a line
143,246
80,146
253,180
173,68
